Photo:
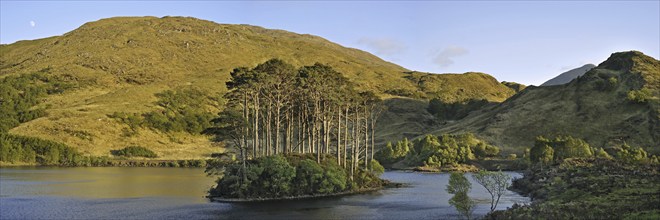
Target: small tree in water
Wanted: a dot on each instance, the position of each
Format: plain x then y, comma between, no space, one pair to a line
460,186
495,183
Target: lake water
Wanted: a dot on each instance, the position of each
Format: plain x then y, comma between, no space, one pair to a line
177,193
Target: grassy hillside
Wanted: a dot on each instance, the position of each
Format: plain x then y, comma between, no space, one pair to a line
597,107
120,64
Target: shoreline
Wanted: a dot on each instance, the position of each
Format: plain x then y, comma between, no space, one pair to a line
192,163
304,197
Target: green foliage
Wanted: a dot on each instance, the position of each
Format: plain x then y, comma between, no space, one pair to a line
15,148
454,110
458,183
460,186
135,151
182,110
601,153
228,126
588,188
560,148
483,150
607,83
541,152
443,150
630,154
390,155
19,95
376,168
275,176
291,175
640,96
496,183
437,151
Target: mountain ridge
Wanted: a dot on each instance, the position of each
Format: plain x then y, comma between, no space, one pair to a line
568,76
596,107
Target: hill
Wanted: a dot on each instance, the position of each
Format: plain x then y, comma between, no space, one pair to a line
127,65
613,103
568,76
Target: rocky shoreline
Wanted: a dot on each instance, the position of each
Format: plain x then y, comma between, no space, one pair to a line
316,196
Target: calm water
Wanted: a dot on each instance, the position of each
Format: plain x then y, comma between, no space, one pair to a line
175,193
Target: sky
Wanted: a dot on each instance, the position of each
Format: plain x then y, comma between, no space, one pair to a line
527,42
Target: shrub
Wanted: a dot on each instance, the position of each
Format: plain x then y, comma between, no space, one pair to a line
456,110
483,150
184,110
512,157
21,93
630,154
640,96
541,152
135,151
559,148
376,168
392,154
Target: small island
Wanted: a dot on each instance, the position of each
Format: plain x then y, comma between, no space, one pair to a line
294,133
293,176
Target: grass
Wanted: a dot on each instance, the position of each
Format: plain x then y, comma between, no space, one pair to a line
588,189
120,63
580,109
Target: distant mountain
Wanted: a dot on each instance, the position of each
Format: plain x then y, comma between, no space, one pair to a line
616,102
119,64
568,76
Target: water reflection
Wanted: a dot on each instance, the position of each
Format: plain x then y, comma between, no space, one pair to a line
156,193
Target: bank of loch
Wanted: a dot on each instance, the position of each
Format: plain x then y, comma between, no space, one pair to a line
588,188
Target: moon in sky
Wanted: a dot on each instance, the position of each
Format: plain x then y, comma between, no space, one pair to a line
32,24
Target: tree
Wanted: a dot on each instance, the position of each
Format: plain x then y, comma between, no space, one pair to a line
630,154
495,183
460,186
232,126
570,147
313,109
541,152
483,150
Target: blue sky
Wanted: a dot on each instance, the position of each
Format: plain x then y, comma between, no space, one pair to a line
521,41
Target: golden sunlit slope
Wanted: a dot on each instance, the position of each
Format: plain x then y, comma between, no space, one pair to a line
596,107
118,64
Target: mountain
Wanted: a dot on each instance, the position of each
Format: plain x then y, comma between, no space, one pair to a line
568,76
613,103
118,65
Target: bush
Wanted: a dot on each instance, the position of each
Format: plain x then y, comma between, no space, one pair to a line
455,110
134,151
443,150
184,110
630,154
512,157
390,155
640,96
483,150
542,152
376,168
16,148
559,148
19,95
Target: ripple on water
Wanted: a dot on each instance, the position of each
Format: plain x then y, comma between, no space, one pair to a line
157,193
